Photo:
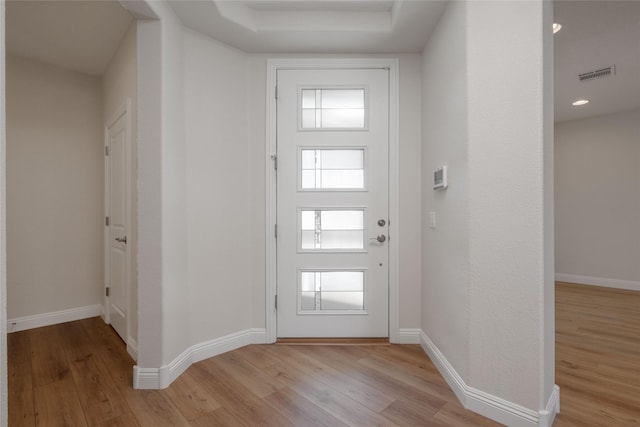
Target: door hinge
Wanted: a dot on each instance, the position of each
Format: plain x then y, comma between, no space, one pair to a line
276,302
275,231
275,161
106,150
107,291
276,92
106,221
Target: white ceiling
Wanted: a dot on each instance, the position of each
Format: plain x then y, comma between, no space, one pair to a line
343,5
79,35
594,35
314,26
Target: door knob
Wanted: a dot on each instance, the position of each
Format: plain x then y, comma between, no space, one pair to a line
121,240
380,238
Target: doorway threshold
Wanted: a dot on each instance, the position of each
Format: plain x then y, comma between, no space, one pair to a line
332,341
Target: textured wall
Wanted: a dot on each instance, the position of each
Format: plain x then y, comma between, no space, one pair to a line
487,267
445,253
507,200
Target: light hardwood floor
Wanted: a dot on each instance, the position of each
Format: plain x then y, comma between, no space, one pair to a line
597,356
79,374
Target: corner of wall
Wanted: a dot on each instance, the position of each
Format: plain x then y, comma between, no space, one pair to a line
486,404
162,377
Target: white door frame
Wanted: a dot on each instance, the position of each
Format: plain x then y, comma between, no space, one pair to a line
123,110
273,65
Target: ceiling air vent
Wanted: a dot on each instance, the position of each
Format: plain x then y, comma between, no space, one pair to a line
597,74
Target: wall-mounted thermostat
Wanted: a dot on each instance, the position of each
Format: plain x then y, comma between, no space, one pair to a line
440,178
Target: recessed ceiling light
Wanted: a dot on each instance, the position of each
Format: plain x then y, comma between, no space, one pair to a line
580,102
556,27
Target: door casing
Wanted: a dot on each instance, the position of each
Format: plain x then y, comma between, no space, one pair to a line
273,65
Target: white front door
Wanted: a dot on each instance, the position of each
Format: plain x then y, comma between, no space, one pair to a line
332,203
117,223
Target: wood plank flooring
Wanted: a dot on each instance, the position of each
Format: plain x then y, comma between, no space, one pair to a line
79,374
597,356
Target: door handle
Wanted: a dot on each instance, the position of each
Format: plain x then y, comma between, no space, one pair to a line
121,240
380,238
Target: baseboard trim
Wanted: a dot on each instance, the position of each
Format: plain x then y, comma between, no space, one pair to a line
629,285
408,336
159,378
493,407
53,318
132,348
551,410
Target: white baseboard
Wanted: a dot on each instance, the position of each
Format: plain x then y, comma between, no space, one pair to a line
132,348
551,410
599,281
493,407
159,378
53,318
408,336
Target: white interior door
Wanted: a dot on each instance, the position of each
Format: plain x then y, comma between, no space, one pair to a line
117,224
332,203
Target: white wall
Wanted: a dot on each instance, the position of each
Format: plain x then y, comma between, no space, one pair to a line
193,206
216,103
409,146
486,269
507,145
175,250
598,199
118,85
54,189
256,127
163,309
445,269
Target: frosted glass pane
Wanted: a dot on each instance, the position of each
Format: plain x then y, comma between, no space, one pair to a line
333,108
308,179
308,301
341,159
308,220
308,239
342,118
331,290
343,239
332,169
342,301
308,281
308,159
342,98
308,98
335,179
309,119
332,229
342,220
342,281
